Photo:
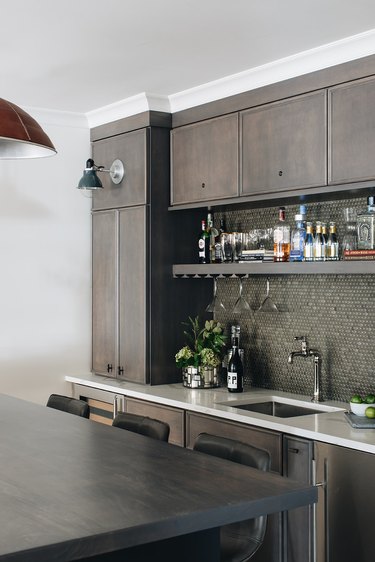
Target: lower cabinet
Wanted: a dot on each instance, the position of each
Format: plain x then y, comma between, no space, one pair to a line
173,416
271,549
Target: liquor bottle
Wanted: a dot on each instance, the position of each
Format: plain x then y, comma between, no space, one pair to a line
211,231
219,257
309,243
318,244
366,226
297,239
281,238
235,370
204,245
325,239
332,243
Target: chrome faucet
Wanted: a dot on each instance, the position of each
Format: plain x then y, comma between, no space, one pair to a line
306,352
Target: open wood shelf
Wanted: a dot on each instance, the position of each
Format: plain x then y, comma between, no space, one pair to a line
271,268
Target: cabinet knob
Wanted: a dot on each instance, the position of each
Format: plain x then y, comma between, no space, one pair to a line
203,185
280,172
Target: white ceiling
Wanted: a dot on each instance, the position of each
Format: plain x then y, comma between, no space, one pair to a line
81,55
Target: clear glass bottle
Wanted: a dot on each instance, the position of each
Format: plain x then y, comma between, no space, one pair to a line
204,245
332,252
281,238
309,243
219,258
297,239
319,246
366,226
235,370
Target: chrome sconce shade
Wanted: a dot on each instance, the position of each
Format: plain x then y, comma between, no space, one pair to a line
91,181
20,135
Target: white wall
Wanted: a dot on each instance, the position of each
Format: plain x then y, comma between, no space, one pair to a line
45,265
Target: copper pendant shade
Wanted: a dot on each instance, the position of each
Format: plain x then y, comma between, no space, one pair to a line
20,135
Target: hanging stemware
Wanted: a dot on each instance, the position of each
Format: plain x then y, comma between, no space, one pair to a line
241,305
268,305
215,305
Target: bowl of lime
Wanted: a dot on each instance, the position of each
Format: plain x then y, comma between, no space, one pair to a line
359,405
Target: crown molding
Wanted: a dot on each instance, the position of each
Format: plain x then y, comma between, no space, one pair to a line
324,56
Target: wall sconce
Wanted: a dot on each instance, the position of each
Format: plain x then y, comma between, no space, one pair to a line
20,135
90,180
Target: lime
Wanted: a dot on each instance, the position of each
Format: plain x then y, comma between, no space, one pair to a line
369,399
356,399
370,412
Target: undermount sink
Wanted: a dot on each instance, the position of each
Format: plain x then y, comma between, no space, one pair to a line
279,409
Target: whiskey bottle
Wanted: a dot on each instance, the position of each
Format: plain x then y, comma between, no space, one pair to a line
281,238
204,245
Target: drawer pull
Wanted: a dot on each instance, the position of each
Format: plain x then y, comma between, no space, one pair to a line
293,450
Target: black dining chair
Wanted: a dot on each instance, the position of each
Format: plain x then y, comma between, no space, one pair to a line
238,541
143,425
69,405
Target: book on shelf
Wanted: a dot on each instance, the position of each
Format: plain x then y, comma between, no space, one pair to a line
359,255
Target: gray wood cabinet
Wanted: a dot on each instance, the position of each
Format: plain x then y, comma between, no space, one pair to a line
131,148
204,158
271,549
172,416
119,293
298,523
352,132
137,305
284,146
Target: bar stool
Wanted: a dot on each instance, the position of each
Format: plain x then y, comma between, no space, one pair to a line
69,405
143,425
238,541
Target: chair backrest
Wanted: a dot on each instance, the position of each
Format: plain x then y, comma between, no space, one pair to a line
238,541
143,425
69,405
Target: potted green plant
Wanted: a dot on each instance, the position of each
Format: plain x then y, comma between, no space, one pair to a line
201,357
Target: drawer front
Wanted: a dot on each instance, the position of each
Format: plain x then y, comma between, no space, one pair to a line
173,416
103,405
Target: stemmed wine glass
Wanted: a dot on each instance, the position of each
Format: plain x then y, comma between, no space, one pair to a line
241,305
268,305
215,305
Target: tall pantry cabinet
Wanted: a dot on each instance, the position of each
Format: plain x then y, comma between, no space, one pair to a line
138,307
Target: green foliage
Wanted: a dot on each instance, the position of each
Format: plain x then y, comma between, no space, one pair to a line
205,344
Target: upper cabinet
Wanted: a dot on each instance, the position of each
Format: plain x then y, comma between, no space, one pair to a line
284,145
131,149
205,160
352,132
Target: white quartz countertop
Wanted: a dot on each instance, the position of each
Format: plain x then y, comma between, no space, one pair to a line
328,427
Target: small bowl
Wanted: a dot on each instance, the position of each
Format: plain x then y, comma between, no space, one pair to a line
360,409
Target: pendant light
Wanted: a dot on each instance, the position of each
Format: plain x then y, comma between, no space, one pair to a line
20,135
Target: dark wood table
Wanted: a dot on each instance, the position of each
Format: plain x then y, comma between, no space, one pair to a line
73,489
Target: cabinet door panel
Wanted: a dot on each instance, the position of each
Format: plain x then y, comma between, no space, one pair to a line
132,294
104,292
284,145
172,416
131,148
352,126
205,160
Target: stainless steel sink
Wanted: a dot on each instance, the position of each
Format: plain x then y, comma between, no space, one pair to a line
280,409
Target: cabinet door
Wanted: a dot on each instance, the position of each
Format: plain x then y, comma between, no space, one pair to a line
284,145
298,530
205,160
132,295
104,292
131,149
271,550
352,126
172,416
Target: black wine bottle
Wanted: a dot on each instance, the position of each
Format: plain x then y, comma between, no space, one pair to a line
235,370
